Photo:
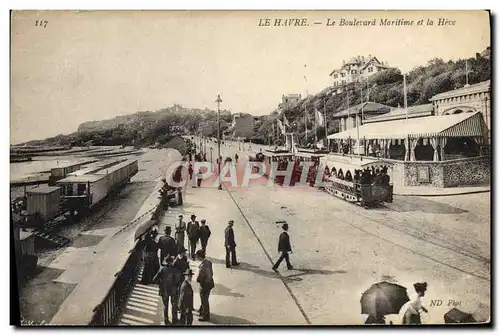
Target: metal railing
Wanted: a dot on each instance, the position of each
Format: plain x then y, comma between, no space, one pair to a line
107,312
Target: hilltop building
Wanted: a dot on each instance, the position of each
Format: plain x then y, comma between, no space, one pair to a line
356,69
290,100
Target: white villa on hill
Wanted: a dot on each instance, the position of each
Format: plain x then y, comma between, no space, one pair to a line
355,69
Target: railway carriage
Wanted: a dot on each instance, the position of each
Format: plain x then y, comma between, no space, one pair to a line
313,156
347,182
85,191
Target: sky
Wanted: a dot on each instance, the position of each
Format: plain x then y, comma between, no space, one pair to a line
95,65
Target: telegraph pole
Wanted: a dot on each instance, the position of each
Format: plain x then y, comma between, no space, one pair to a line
218,101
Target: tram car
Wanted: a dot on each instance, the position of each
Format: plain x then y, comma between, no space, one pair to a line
307,155
365,182
280,157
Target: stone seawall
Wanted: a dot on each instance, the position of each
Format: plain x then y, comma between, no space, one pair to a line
459,172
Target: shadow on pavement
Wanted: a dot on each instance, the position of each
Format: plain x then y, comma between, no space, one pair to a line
228,320
305,272
420,204
247,267
220,289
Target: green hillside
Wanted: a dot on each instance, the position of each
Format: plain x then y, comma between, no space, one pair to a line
385,87
143,128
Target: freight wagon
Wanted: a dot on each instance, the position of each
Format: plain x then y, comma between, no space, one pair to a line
44,202
94,167
87,190
61,172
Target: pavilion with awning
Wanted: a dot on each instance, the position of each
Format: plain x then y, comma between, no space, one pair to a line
431,131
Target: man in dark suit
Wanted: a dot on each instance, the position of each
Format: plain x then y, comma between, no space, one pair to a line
204,235
180,265
167,244
166,279
193,229
230,245
206,281
284,247
186,299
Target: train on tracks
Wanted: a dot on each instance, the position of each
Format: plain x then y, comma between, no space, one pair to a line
78,192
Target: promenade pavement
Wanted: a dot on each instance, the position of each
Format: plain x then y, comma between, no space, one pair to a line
249,294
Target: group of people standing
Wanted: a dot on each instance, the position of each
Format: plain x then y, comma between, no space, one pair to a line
175,275
195,232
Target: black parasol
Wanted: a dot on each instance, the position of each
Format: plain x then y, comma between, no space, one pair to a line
144,228
383,298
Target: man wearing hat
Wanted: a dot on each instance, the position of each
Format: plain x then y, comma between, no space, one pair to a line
284,247
230,245
193,229
206,280
180,264
180,232
166,279
186,299
204,235
167,244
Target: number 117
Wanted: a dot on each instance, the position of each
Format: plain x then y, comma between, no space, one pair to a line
41,23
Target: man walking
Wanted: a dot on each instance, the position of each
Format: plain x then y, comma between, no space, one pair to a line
193,229
230,245
284,247
191,172
166,279
186,299
199,177
206,281
204,235
167,244
180,230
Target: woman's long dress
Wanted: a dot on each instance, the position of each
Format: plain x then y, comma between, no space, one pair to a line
180,233
151,261
412,314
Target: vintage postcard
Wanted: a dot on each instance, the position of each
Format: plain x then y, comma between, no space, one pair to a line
200,168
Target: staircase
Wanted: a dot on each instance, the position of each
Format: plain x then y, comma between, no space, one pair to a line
53,238
143,307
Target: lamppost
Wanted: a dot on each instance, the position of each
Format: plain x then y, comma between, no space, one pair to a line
218,101
211,157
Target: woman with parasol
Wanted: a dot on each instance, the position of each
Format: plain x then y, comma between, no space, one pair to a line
382,299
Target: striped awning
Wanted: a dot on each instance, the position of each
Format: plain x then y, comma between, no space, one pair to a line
456,125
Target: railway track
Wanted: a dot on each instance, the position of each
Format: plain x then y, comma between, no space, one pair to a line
434,248
446,250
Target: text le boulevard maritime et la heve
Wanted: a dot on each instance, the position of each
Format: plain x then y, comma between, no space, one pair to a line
343,22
